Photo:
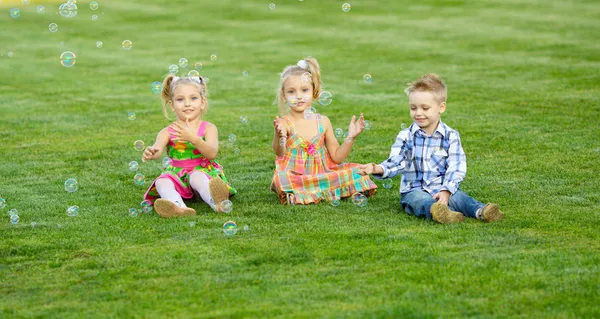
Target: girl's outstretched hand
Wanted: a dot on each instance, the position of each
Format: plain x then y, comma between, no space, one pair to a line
183,133
149,153
279,129
356,126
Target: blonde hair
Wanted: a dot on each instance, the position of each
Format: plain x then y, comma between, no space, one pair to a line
294,70
168,90
431,83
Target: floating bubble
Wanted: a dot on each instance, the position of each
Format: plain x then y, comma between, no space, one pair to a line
15,13
71,185
53,27
368,79
131,116
183,62
2,203
67,59
306,77
99,44
13,212
231,138
73,211
193,73
282,141
206,80
94,5
198,66
346,7
139,145
335,203
368,125
226,206
146,206
244,119
230,228
10,54
14,219
133,212
345,135
359,200
403,125
192,224
213,57
156,87
25,1
293,101
272,6
33,224
387,183
339,132
173,69
133,166
127,45
309,113
236,151
246,228
139,179
40,9
165,162
325,98
94,17
68,10
245,73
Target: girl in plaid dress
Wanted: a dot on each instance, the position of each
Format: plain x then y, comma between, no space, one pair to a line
191,145
309,163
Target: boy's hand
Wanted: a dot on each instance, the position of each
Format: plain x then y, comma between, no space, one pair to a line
149,153
356,127
279,129
368,169
442,197
183,132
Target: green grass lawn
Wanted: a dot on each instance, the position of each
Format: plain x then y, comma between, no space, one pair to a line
523,92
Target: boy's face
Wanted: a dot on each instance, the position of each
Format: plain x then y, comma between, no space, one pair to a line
425,110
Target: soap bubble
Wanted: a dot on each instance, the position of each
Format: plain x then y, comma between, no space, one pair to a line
33,224
67,59
230,228
244,119
127,45
232,138
368,79
359,200
10,54
309,113
40,9
236,151
226,206
14,219
133,166
13,212
15,13
335,203
387,183
246,228
193,73
282,141
99,44
368,125
192,224
245,73
346,7
71,185
403,125
94,17
325,98
139,179
339,132
139,145
73,211
165,162
213,57
306,77
183,62
94,5
68,10
131,116
173,69
272,6
156,87
2,203
53,27
146,206
293,101
133,212
198,66
25,1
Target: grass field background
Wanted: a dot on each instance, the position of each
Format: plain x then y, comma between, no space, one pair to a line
523,86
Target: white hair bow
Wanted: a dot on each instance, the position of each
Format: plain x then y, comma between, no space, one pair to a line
303,64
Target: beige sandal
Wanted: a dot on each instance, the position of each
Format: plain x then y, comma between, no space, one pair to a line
167,209
218,191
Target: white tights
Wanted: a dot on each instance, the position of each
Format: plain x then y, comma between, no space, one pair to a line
198,182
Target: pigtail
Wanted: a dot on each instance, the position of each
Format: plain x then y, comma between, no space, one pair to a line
166,94
315,72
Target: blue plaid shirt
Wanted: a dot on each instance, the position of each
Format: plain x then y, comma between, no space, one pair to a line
432,163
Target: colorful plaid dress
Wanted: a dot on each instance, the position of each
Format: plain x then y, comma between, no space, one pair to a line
306,173
184,159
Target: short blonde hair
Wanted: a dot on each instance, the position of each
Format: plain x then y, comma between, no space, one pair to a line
430,83
294,70
168,90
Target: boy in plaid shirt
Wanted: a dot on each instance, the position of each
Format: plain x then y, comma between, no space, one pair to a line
433,164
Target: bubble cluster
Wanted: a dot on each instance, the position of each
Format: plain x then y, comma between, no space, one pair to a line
15,13
73,211
99,44
388,183
359,200
346,7
131,116
173,69
156,87
230,228
183,62
71,185
127,45
139,145
226,206
67,59
146,206
367,78
133,166
139,179
325,98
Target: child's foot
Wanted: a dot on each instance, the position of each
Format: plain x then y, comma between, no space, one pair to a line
167,209
442,214
218,191
491,213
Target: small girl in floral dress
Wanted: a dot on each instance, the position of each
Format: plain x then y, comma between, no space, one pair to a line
192,146
309,165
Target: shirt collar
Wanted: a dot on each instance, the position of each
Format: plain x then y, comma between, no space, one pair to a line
441,128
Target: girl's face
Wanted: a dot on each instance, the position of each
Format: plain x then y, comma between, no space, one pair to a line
298,93
187,102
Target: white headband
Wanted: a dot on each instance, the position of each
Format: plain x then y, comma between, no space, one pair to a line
196,79
303,64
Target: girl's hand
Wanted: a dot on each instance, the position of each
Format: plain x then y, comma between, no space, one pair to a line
356,127
365,169
183,133
149,154
279,129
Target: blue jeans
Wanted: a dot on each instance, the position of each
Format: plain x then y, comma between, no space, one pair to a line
418,202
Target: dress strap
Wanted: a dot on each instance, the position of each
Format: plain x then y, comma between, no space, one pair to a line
201,129
319,123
